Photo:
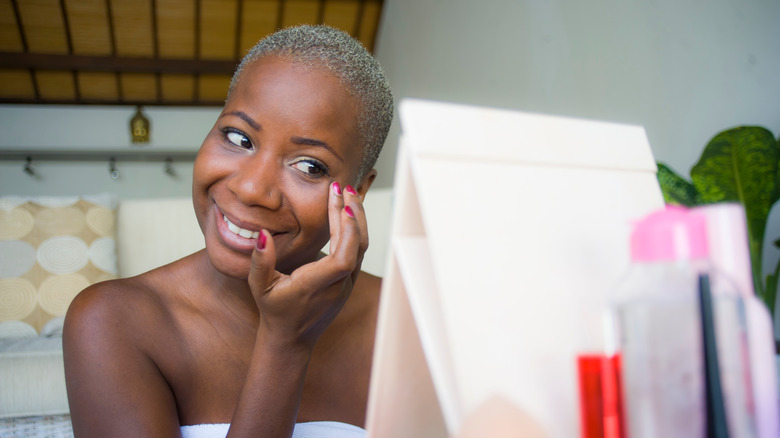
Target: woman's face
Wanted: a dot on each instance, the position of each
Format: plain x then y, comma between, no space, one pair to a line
286,133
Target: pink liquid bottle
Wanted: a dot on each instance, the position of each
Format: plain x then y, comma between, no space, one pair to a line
656,325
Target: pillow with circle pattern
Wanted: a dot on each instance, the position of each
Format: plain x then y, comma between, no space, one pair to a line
50,249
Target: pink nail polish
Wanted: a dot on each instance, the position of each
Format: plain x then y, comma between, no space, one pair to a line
349,211
337,188
351,190
261,241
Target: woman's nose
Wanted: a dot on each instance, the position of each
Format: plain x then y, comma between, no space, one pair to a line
256,182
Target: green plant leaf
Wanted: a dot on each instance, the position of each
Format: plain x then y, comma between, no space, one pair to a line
676,189
741,165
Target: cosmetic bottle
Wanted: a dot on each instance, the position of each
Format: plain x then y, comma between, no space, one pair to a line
656,326
730,255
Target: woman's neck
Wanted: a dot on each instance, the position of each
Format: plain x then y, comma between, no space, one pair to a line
231,291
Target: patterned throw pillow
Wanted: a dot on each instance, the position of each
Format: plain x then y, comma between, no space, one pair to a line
50,249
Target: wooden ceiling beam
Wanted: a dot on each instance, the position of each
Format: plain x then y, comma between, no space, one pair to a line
359,19
321,12
280,15
196,54
66,25
239,29
156,51
19,25
114,64
129,102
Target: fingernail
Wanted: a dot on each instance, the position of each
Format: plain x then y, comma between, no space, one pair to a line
349,189
349,211
261,241
337,188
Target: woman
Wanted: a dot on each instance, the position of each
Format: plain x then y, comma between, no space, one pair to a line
259,331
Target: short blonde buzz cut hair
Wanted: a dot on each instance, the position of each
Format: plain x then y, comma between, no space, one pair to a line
336,51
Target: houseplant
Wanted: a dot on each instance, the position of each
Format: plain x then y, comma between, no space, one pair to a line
742,165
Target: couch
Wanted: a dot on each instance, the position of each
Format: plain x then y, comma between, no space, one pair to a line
98,237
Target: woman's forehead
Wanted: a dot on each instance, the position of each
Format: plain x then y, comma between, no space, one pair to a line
279,75
292,64
312,99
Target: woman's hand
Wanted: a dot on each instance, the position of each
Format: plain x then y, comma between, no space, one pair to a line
295,309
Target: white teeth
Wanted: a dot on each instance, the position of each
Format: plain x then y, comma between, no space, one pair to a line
240,231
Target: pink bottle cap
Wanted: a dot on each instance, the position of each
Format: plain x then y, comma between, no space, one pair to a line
674,233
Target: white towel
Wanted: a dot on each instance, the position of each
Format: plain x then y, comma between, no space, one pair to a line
314,429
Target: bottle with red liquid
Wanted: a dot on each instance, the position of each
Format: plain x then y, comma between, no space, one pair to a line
600,392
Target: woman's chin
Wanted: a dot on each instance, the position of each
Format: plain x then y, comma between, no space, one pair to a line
231,265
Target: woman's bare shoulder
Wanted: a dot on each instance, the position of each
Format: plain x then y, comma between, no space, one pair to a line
113,300
112,341
134,302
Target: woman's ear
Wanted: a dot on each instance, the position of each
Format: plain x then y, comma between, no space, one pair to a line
365,183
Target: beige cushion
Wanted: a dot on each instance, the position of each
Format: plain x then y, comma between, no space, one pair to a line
50,249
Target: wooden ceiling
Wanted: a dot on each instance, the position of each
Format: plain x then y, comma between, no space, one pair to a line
148,52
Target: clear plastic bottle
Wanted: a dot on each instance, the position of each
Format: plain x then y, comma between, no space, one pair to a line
657,329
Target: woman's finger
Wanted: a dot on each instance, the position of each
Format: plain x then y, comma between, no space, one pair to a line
344,256
335,206
355,202
262,270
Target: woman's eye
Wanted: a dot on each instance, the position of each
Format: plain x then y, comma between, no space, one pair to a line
238,139
310,167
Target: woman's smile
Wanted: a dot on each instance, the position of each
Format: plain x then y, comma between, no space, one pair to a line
238,235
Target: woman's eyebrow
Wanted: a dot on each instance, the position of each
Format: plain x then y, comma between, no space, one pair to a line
313,142
240,114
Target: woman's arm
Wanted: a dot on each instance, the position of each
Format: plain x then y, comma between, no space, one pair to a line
294,311
114,388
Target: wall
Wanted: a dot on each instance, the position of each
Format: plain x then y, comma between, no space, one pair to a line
684,70
99,128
